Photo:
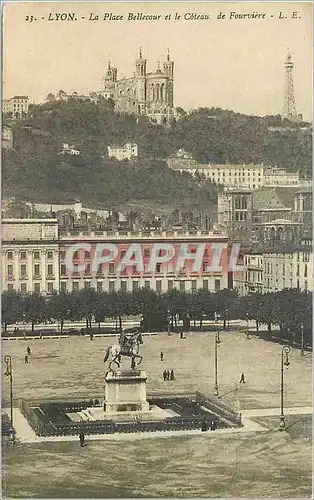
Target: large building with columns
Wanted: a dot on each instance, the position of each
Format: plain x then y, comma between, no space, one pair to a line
161,277
30,255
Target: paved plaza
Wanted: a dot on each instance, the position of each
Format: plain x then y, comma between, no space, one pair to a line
255,461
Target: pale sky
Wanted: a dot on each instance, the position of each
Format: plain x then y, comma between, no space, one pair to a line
232,64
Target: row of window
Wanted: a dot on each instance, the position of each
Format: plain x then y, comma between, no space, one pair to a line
37,288
112,286
269,269
112,269
23,255
285,284
135,285
235,173
23,270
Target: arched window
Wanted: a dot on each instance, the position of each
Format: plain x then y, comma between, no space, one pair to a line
157,92
162,90
280,234
244,202
153,92
238,202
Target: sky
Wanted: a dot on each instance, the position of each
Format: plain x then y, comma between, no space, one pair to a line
233,64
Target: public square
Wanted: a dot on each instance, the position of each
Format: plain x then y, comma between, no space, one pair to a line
271,463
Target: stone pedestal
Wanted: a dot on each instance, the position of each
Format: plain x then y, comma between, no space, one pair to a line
125,390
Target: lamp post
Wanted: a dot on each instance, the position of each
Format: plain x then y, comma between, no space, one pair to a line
247,326
284,362
9,373
217,342
302,340
168,321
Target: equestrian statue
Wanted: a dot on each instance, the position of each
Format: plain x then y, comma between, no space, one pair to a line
129,345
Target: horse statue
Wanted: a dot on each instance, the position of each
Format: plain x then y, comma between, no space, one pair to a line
129,345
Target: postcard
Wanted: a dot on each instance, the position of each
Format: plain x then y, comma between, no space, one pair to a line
157,259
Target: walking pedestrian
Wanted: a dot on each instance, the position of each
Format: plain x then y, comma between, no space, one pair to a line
213,425
161,356
242,380
82,439
28,351
26,358
204,426
164,374
172,377
168,375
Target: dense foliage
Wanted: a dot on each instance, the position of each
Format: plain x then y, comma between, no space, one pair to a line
36,171
289,309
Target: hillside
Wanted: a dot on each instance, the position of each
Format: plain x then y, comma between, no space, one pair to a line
35,171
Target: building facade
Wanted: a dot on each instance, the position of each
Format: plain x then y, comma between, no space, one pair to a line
16,106
248,176
146,93
235,212
30,255
288,267
163,276
127,152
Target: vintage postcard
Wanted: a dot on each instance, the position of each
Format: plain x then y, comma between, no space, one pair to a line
157,259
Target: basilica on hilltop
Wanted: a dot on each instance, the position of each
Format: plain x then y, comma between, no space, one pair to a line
146,93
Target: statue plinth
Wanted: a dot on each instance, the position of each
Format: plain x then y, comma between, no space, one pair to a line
125,390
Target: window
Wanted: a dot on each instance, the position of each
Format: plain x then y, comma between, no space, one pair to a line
36,255
205,284
23,270
111,286
170,285
10,271
158,286
298,284
87,255
146,252
63,270
75,286
204,267
111,268
63,286
10,286
305,286
147,285
123,286
23,287
123,253
99,270
37,287
283,269
23,255
62,254
182,286
158,268
87,285
99,286
135,286
305,271
75,255
50,270
298,270
50,254
87,270
193,285
217,285
50,287
9,255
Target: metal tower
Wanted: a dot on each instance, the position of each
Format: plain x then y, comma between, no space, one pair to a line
289,107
